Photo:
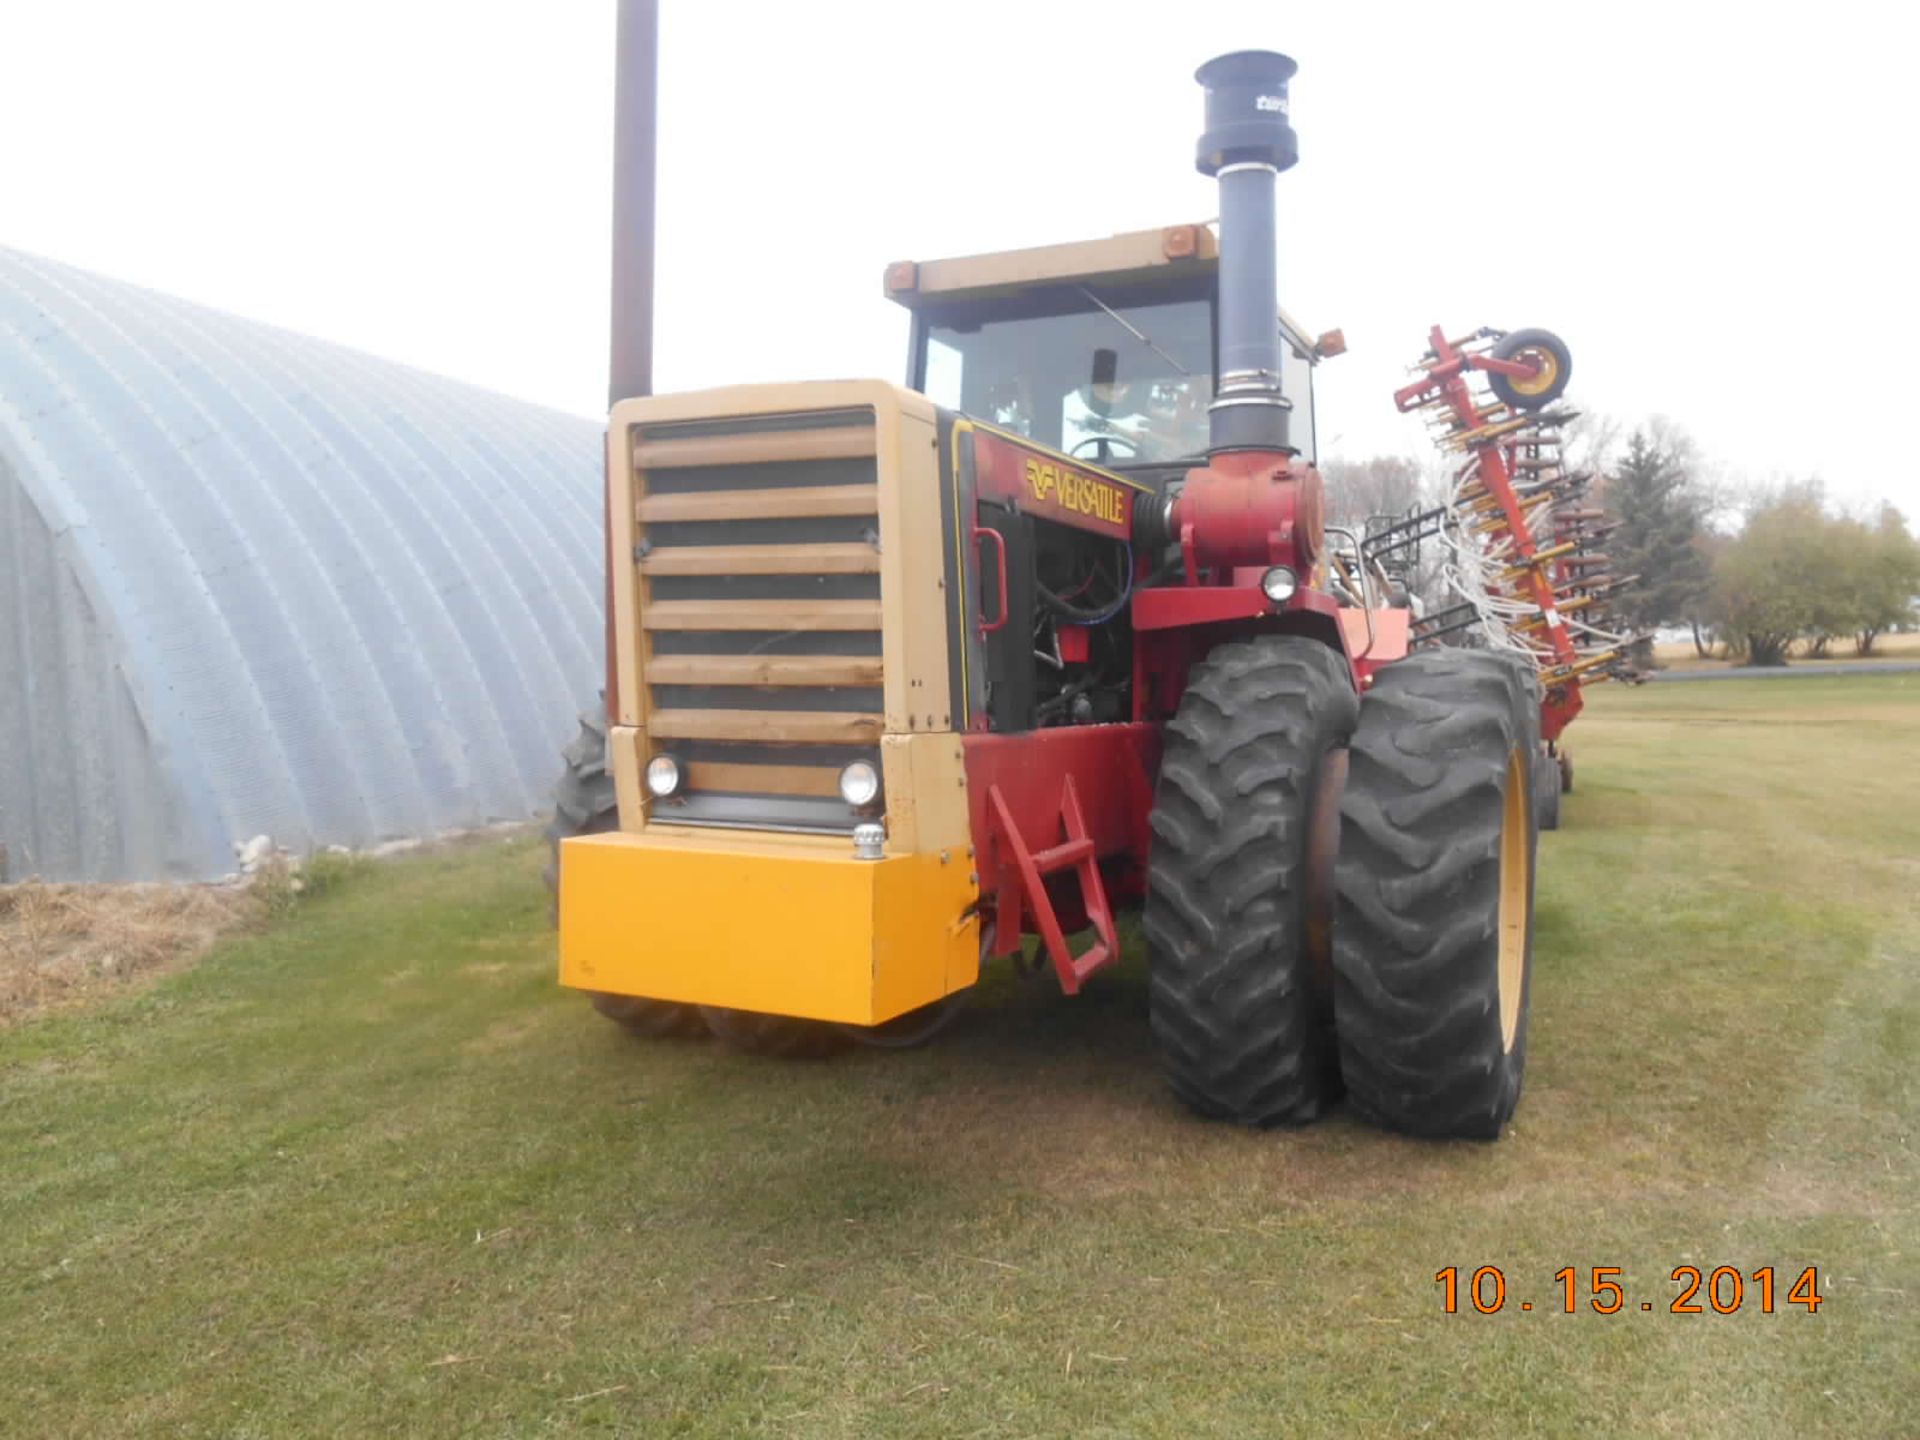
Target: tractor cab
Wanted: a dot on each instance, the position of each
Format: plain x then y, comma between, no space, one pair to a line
1103,350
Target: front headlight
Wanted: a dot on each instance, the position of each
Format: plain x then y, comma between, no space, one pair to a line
859,784
1279,583
663,775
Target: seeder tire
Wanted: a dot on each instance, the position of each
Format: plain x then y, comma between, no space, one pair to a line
779,1035
1242,1022
1543,348
584,804
1433,926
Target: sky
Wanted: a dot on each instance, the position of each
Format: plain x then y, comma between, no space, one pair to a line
1712,203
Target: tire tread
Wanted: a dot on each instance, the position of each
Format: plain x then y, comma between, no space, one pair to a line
584,803
1416,940
1242,1030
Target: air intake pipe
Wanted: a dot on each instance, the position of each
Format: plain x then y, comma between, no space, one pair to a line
1248,142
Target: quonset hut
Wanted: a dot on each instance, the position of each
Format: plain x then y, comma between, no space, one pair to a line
251,583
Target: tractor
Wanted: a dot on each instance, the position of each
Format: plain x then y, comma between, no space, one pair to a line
908,681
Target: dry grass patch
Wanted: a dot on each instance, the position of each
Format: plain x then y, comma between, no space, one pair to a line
61,944
1681,654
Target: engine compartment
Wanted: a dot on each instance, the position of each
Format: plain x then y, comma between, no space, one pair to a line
1065,654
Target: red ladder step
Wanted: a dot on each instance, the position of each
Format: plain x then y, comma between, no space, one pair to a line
1076,853
1060,857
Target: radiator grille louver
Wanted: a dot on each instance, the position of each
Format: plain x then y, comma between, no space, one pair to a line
759,559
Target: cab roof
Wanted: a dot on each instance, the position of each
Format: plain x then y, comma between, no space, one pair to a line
1137,257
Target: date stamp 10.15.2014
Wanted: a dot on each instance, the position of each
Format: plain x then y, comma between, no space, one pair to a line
1600,1290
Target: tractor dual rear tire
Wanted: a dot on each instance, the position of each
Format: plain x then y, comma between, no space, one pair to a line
1433,928
584,804
1242,1019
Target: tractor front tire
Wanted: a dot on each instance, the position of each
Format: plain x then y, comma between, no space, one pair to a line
650,1019
1433,926
1242,1020
780,1035
584,804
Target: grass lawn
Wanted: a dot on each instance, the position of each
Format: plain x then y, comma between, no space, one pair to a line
370,1172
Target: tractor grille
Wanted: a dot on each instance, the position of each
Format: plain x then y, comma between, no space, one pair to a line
759,556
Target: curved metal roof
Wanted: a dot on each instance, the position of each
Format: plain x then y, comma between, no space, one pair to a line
255,583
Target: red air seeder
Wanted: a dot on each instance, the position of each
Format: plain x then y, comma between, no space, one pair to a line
1518,537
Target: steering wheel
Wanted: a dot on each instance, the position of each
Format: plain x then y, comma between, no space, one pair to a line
1105,442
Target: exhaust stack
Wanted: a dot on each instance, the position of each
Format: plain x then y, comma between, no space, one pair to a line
1248,142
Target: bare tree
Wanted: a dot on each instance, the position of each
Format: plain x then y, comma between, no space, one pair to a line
1588,442
1383,485
1396,486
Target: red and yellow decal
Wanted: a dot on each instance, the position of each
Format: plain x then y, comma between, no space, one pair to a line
1042,483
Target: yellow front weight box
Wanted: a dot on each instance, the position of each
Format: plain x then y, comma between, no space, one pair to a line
789,925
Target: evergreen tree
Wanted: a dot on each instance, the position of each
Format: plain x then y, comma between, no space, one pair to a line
1651,493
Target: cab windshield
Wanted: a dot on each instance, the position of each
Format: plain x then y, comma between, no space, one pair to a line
1089,374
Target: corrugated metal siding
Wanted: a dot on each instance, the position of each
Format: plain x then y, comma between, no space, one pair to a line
259,584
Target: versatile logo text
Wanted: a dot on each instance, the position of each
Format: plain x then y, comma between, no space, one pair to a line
1071,490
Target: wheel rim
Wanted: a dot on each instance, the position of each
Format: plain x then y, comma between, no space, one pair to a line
1549,372
1516,883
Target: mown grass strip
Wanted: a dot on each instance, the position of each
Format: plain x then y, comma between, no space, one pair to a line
371,1172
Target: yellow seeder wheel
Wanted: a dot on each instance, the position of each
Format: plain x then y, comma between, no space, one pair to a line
1552,362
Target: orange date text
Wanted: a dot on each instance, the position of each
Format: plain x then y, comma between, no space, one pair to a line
1719,1290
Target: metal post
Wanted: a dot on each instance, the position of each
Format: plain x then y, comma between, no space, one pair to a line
635,117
